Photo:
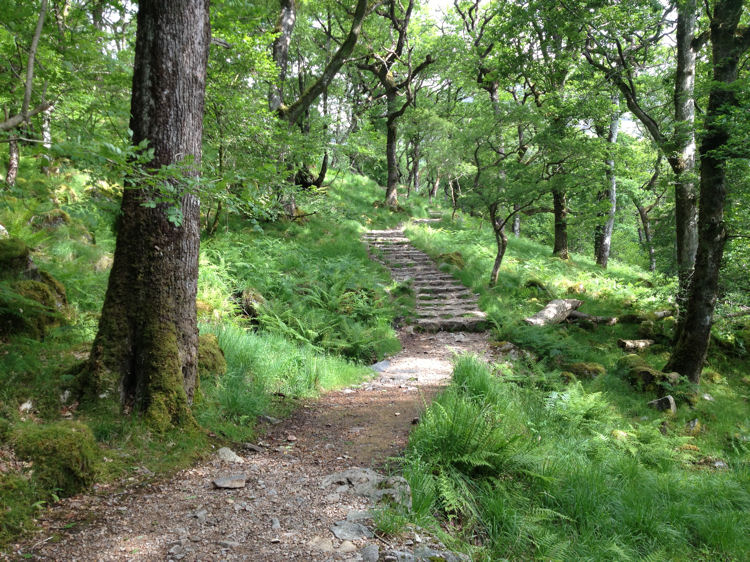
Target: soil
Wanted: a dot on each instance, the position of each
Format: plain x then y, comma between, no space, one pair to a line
282,513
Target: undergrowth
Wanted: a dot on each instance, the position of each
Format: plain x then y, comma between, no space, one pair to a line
515,473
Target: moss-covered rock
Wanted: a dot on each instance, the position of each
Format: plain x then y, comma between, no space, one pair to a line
29,307
586,370
211,361
644,377
51,219
452,258
65,455
711,376
568,377
535,284
576,289
647,330
15,258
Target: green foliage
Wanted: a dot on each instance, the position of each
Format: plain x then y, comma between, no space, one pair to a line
562,479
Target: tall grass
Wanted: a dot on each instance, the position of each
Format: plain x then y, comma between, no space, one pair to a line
562,476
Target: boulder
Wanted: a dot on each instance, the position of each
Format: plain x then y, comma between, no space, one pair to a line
64,454
644,377
586,370
664,403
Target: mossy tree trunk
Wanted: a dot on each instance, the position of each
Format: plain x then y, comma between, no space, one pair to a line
560,248
145,352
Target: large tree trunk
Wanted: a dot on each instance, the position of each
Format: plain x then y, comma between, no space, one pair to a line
694,326
603,241
146,348
560,248
391,193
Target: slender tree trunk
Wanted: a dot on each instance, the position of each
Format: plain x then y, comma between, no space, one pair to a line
435,187
46,165
560,202
694,326
391,193
604,240
683,160
416,156
145,352
13,157
516,221
501,241
280,50
647,235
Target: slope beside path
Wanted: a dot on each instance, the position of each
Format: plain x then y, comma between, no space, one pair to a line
282,509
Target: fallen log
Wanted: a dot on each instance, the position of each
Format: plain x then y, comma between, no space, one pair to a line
555,312
634,345
577,316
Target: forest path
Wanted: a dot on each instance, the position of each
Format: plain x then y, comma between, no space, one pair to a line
442,302
282,512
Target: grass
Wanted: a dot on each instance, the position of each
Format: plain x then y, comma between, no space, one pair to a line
516,473
326,309
550,467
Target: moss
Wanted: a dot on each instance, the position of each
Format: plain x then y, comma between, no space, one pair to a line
452,258
28,307
568,377
644,377
576,289
586,370
15,257
64,454
211,359
711,376
50,219
647,329
166,402
57,288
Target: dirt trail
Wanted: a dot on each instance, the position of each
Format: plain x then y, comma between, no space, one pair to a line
282,513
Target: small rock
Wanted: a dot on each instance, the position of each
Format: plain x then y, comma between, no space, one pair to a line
275,540
397,414
321,543
232,481
665,403
228,544
291,438
707,397
380,366
370,553
720,464
4,232
252,447
275,524
348,530
201,515
26,406
269,419
227,455
358,515
693,426
333,498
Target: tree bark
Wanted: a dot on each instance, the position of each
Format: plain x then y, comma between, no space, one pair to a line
647,235
603,241
501,242
694,326
13,157
280,50
391,191
146,346
560,248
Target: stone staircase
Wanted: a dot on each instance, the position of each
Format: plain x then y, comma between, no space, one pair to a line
443,304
